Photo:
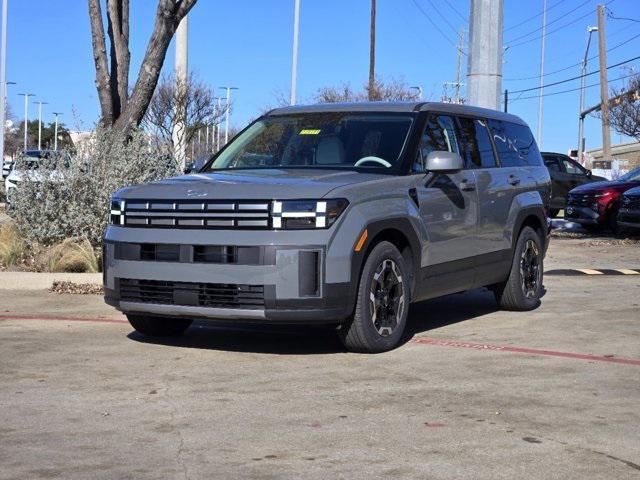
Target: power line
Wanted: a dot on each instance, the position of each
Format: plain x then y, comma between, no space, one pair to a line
464,18
560,17
444,18
434,24
524,42
574,64
573,89
574,78
526,20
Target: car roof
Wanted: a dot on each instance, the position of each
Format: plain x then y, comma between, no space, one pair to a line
387,107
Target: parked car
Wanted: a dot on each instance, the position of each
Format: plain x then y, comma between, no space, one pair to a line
629,213
28,163
7,165
596,205
566,174
339,214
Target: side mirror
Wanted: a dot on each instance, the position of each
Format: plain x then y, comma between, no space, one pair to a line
188,168
589,173
444,162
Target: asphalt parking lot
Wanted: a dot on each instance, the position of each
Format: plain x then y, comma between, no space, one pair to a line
473,393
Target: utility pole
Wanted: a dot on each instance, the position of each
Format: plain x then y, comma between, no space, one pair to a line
372,51
458,83
3,77
40,103
294,53
590,30
227,113
181,69
541,89
26,117
604,86
217,123
55,132
484,70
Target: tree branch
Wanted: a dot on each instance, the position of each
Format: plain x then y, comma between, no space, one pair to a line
168,16
103,80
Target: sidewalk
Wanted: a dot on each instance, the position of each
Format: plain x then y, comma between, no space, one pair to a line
43,281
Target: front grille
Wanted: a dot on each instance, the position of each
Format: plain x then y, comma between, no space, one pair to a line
210,214
215,295
159,252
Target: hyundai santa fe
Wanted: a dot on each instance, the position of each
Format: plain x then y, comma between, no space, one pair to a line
340,214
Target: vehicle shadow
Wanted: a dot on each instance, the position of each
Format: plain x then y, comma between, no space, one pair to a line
314,340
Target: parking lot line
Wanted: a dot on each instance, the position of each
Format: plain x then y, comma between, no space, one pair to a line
569,272
531,351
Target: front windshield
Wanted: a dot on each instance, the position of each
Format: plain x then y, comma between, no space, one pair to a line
632,176
319,140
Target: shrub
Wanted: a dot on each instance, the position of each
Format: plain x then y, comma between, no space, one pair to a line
56,201
71,255
12,246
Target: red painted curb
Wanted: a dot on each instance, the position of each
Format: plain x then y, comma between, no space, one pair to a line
531,351
61,319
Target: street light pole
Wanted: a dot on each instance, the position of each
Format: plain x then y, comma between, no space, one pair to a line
227,113
55,132
3,80
26,116
294,53
40,103
590,30
218,123
541,90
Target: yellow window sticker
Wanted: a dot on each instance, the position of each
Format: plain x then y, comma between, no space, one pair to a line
310,131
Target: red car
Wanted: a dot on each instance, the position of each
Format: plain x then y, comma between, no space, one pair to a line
596,205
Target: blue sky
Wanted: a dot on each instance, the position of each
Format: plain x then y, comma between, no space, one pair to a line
247,43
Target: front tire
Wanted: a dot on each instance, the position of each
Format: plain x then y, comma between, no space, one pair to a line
382,303
523,288
159,326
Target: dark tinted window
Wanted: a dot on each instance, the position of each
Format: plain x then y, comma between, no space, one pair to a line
476,143
515,144
439,135
552,163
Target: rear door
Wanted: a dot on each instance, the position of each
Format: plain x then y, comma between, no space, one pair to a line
448,205
558,181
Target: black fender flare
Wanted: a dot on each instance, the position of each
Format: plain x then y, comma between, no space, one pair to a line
401,224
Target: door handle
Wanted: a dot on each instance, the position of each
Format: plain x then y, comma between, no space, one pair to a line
467,185
513,180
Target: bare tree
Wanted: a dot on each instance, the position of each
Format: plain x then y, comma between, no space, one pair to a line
189,103
120,107
390,90
624,112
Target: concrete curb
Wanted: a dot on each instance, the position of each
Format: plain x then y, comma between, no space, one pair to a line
43,281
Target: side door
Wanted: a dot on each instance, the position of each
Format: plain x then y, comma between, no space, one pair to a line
576,174
448,205
558,181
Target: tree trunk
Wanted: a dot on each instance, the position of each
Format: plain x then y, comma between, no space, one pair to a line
118,108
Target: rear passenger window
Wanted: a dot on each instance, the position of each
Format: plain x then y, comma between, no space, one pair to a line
476,143
515,144
439,135
552,164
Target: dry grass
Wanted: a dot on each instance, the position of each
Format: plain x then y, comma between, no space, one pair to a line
12,246
76,288
72,255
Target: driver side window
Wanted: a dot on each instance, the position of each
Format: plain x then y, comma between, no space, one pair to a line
571,167
439,135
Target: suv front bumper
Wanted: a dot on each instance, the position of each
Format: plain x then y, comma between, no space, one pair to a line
259,276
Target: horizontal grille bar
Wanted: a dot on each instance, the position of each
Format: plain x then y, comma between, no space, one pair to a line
192,294
197,214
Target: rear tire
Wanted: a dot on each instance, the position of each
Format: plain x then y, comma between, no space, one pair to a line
159,326
523,289
382,303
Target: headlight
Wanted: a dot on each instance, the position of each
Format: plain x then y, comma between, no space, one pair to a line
117,212
306,214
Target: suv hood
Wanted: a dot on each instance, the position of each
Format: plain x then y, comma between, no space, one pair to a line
598,186
255,184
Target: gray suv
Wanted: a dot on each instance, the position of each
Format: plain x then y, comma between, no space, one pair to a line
338,214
